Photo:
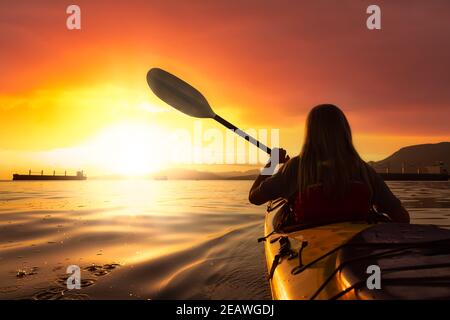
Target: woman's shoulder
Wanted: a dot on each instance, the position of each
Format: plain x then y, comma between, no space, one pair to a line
291,166
293,162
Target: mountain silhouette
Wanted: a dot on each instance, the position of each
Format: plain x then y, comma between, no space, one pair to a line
416,156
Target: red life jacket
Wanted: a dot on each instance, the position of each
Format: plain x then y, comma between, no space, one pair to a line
313,206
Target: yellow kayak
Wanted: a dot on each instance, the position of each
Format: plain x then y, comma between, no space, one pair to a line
331,261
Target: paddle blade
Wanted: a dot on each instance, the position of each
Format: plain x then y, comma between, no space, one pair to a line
179,94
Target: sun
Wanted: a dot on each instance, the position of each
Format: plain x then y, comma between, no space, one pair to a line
131,149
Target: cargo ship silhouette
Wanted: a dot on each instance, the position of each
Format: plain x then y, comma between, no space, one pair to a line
32,176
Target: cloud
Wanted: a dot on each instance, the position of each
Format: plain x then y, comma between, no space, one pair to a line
272,59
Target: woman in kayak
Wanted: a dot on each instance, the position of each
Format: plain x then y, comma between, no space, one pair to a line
328,181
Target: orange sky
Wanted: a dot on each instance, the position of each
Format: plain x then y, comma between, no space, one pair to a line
261,64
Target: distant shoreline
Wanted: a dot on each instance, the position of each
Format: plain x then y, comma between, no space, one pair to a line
396,177
413,161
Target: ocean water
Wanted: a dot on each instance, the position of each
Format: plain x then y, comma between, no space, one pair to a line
144,239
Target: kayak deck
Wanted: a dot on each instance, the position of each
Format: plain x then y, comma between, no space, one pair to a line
363,245
285,285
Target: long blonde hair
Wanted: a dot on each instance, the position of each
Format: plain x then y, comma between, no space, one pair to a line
328,156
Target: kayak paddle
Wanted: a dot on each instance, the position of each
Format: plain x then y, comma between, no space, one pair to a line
185,98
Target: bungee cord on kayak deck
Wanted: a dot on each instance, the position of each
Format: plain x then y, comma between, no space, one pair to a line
384,254
409,282
379,245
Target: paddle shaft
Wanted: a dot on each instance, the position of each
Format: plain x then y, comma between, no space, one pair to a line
242,134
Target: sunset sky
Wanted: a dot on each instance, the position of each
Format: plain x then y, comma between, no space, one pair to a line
78,99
